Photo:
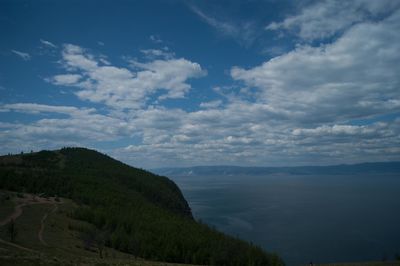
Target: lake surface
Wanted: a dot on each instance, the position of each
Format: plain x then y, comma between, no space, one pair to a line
303,218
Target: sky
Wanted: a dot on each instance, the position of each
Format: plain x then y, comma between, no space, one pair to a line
181,83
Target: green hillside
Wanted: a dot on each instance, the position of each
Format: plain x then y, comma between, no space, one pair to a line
130,210
46,235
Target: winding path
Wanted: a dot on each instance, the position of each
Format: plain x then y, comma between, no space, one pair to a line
17,212
29,200
42,224
16,245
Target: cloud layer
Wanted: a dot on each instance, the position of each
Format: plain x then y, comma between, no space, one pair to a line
334,102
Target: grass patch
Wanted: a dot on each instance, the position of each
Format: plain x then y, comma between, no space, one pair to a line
28,225
63,244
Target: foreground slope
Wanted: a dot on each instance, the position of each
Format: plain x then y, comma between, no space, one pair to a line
132,210
46,235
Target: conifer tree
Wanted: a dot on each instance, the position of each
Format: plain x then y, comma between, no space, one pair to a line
12,230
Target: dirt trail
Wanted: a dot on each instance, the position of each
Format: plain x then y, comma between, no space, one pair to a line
25,201
16,245
17,212
42,224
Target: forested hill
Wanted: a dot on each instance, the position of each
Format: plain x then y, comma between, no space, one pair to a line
70,170
134,210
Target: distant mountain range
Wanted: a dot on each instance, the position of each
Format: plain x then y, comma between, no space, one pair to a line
342,169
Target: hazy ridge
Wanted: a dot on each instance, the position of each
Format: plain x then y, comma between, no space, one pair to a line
341,169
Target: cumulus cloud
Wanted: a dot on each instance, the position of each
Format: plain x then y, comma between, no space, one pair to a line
324,19
22,55
65,79
78,126
121,87
355,76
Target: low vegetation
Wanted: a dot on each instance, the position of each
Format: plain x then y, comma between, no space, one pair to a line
61,242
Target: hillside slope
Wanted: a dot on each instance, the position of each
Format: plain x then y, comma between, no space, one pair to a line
46,236
131,210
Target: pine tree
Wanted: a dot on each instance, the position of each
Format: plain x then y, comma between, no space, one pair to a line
12,230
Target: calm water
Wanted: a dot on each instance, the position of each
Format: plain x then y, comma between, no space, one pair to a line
303,218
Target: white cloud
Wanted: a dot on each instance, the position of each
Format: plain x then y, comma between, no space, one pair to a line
65,79
104,61
354,77
155,39
79,126
76,58
48,44
244,32
222,26
335,130
323,19
120,87
211,104
156,53
170,75
39,108
24,56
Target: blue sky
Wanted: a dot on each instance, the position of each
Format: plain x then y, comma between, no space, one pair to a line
180,83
